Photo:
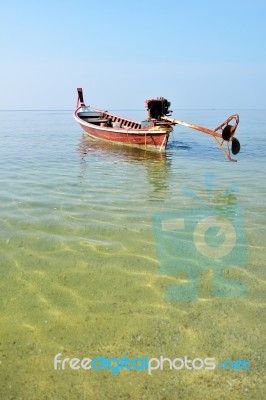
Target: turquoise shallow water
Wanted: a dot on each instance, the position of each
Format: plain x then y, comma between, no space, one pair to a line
86,271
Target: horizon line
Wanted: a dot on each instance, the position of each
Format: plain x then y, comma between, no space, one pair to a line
134,109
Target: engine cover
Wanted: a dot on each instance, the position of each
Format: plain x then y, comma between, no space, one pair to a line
157,108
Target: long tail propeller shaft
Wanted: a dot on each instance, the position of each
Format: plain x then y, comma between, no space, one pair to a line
226,135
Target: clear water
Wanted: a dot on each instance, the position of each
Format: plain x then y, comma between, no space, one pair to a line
79,267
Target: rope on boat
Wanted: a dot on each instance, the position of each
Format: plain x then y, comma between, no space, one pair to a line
162,143
145,139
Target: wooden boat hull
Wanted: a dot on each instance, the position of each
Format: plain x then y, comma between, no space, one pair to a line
156,140
105,126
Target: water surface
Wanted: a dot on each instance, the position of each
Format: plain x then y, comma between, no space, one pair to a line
80,273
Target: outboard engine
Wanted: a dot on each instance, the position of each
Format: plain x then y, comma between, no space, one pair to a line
157,108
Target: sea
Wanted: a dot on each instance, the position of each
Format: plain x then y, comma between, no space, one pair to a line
110,252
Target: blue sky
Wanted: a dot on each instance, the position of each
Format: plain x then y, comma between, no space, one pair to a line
198,54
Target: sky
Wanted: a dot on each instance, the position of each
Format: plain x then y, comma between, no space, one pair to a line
198,54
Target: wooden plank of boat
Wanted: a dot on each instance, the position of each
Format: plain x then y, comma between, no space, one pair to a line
151,134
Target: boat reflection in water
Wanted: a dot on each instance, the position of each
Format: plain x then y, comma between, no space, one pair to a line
157,165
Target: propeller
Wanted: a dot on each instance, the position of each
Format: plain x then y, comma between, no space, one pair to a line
228,135
228,132
235,146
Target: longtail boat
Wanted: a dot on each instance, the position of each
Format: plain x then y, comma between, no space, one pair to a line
151,134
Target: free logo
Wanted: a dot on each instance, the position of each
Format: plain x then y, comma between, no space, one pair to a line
118,364
211,236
